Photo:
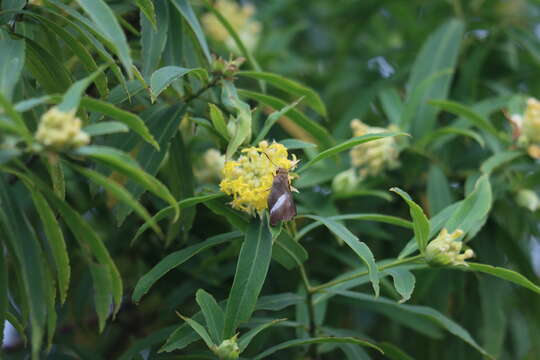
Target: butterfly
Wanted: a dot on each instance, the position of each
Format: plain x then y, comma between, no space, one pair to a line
280,200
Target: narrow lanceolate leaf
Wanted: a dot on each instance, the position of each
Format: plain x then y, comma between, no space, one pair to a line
91,244
272,119
55,238
199,329
124,164
404,282
288,252
163,77
292,87
439,52
499,159
184,7
361,249
501,273
420,220
438,190
467,113
347,145
23,244
317,340
11,64
251,269
17,124
169,211
3,289
102,283
420,311
133,121
105,128
176,259
473,209
213,315
106,23
72,97
120,193
147,8
246,338
153,40
218,120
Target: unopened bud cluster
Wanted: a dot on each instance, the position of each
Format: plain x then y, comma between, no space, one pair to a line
228,349
528,127
61,130
446,249
226,68
373,157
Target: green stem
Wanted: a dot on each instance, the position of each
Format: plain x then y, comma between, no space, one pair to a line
364,273
312,330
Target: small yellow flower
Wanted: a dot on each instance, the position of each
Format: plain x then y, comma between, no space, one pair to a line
240,18
445,249
373,157
531,121
61,130
211,166
249,178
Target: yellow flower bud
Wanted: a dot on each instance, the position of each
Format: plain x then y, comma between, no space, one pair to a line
61,130
249,178
211,167
446,249
228,349
528,198
531,121
346,181
373,157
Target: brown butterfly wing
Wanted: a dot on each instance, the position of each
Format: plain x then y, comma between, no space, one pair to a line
280,201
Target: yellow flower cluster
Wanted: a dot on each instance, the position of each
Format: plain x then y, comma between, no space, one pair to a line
211,167
249,178
240,18
61,130
445,249
373,157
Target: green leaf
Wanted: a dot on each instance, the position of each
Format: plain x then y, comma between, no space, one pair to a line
120,193
106,23
105,128
361,249
18,126
218,120
404,282
317,340
439,52
420,221
147,8
243,120
318,132
347,145
499,159
292,87
392,352
55,239
501,273
174,260
213,315
169,211
272,119
434,135
133,121
438,190
3,289
11,65
102,283
91,244
293,144
23,244
251,270
473,209
467,113
245,339
184,7
17,325
392,105
162,78
387,219
420,311
278,301
72,97
124,164
288,252
199,329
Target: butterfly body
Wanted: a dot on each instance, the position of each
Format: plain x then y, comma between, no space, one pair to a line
280,201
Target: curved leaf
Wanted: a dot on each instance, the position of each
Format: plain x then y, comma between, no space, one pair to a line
420,220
